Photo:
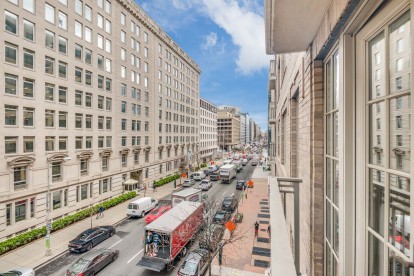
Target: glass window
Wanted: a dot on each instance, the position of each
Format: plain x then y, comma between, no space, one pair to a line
108,65
100,82
28,88
63,70
88,141
56,171
11,22
20,210
78,75
88,35
49,39
50,13
63,2
63,45
28,58
84,171
78,97
78,29
49,118
107,26
108,84
49,65
78,142
88,78
123,18
88,13
108,7
108,45
10,54
10,145
63,20
28,144
28,30
88,99
28,116
100,21
78,7
100,41
56,200
88,56
10,84
88,124
123,35
63,91
63,118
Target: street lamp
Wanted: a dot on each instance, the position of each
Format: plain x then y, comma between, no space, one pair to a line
48,222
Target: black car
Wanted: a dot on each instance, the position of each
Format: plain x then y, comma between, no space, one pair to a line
92,262
229,204
221,217
240,184
91,237
215,176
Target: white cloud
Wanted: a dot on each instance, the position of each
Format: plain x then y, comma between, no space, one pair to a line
210,41
246,28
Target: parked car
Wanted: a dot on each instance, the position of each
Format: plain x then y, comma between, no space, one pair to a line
221,217
211,237
195,264
156,213
207,172
240,184
91,237
188,182
229,203
92,262
19,272
255,162
205,185
141,206
215,176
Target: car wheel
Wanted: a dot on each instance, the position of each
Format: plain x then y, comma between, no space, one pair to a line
111,234
92,273
89,246
142,214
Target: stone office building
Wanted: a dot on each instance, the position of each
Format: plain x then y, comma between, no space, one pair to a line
97,82
340,120
208,130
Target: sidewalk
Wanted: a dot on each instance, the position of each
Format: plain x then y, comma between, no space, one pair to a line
32,255
247,254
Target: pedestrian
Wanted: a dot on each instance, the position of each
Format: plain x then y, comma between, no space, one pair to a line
263,168
268,230
155,242
256,229
148,241
154,188
100,212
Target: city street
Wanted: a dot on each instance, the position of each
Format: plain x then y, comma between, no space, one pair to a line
129,239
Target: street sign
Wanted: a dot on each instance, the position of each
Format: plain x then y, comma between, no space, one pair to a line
183,175
250,183
230,225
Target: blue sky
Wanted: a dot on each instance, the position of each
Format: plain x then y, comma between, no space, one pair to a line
226,39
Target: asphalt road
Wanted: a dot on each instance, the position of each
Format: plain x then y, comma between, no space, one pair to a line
129,240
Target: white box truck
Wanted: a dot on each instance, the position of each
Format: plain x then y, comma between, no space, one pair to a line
189,194
227,173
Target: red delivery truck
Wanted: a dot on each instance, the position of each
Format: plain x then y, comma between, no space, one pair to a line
167,237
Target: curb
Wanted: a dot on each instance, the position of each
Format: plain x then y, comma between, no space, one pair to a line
66,251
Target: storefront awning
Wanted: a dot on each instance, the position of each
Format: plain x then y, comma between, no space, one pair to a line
130,182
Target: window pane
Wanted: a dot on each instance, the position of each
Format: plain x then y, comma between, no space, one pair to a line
28,59
10,22
63,44
50,13
377,66
10,84
63,20
377,133
49,39
375,256
376,201
28,30
29,5
10,53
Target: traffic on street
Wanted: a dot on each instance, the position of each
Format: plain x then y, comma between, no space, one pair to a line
140,245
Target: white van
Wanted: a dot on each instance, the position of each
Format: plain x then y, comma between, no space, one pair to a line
141,206
213,168
198,176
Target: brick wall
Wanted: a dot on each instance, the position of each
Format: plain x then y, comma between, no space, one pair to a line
304,151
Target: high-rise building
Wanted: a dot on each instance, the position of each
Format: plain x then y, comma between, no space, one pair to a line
95,81
208,130
228,130
341,132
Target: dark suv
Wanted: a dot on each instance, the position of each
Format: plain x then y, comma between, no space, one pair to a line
215,176
229,204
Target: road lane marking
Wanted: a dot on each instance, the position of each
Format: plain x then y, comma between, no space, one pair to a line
115,244
135,256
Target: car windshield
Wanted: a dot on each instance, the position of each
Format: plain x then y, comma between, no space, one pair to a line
84,236
190,266
220,215
79,265
154,212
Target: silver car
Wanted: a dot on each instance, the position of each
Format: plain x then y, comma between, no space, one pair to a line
188,183
195,264
205,185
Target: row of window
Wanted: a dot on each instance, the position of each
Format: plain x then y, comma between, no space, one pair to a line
52,143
